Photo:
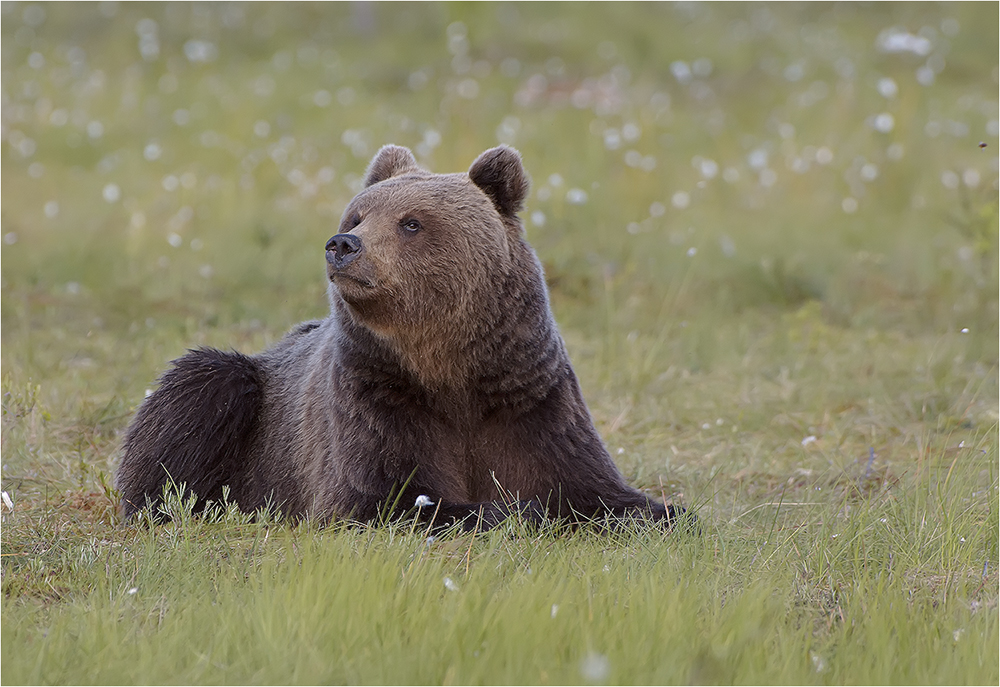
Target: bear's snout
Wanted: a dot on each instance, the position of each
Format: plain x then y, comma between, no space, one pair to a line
342,249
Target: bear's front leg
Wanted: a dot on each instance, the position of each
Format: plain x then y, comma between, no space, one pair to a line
668,515
415,504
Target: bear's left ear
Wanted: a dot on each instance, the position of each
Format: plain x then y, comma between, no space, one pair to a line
388,162
499,174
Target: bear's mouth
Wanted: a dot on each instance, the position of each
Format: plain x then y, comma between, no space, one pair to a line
339,277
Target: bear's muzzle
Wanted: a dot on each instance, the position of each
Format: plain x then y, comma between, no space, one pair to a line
342,250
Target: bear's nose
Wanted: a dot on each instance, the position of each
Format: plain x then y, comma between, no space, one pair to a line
342,249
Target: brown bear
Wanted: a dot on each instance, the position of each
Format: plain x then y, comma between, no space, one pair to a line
438,381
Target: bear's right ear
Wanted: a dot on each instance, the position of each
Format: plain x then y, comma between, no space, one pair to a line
499,174
388,162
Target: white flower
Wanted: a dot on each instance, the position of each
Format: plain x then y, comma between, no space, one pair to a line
808,440
322,98
423,501
681,71
200,51
757,159
818,663
111,193
887,88
450,584
899,40
884,122
595,667
7,501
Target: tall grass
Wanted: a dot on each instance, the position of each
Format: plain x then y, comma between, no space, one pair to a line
778,593
771,244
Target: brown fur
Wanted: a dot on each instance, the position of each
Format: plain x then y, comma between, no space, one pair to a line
439,368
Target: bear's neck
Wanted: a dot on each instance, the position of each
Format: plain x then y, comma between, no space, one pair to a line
508,356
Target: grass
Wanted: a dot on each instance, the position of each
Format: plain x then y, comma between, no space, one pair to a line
770,595
782,306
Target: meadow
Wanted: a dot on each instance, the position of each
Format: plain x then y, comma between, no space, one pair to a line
770,232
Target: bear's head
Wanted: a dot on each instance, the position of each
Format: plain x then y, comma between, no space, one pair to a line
419,257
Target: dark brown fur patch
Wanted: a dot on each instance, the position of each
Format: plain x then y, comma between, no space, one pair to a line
194,429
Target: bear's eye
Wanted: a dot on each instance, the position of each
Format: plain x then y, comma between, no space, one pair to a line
354,221
411,225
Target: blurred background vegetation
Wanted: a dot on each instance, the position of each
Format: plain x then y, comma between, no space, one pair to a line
757,220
